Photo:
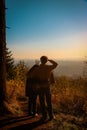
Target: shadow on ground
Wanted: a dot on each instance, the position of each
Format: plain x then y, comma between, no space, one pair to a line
22,122
28,126
25,122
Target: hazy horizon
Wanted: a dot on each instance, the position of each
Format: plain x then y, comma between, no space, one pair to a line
65,67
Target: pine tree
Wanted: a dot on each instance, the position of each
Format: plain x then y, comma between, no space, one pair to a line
21,70
10,67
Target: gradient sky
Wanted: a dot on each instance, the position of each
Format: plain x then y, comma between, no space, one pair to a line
56,28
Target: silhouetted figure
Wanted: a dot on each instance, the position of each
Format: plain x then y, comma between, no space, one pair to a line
31,91
43,75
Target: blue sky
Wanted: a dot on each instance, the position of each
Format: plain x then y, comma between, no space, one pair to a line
56,28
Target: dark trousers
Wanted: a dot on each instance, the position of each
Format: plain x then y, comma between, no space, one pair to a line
45,99
32,108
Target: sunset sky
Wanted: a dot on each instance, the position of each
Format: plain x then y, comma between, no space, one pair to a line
56,28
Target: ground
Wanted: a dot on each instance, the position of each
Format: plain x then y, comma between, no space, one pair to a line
25,122
62,122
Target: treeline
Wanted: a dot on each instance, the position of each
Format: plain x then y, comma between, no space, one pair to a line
15,71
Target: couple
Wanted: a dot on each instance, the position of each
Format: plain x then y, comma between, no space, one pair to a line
38,83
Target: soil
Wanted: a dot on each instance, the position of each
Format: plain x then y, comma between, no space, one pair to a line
25,122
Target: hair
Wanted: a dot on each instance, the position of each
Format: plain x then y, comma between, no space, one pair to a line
43,59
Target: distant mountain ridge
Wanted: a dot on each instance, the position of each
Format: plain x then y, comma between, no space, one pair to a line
70,68
65,68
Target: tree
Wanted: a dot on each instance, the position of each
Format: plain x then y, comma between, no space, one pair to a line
85,68
21,70
10,67
2,55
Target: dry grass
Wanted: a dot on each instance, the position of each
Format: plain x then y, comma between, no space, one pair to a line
68,95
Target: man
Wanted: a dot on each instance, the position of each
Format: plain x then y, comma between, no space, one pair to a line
43,75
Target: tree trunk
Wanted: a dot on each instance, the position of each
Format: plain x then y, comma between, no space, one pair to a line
2,55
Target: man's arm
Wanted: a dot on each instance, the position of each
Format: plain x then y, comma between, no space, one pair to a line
53,62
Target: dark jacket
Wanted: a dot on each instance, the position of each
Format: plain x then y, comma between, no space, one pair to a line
31,81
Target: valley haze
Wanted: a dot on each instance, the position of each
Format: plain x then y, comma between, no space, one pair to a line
69,68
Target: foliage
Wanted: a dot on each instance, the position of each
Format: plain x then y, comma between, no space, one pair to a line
10,67
21,70
15,71
68,95
14,89
85,68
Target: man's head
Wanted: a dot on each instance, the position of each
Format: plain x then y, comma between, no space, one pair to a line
43,59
